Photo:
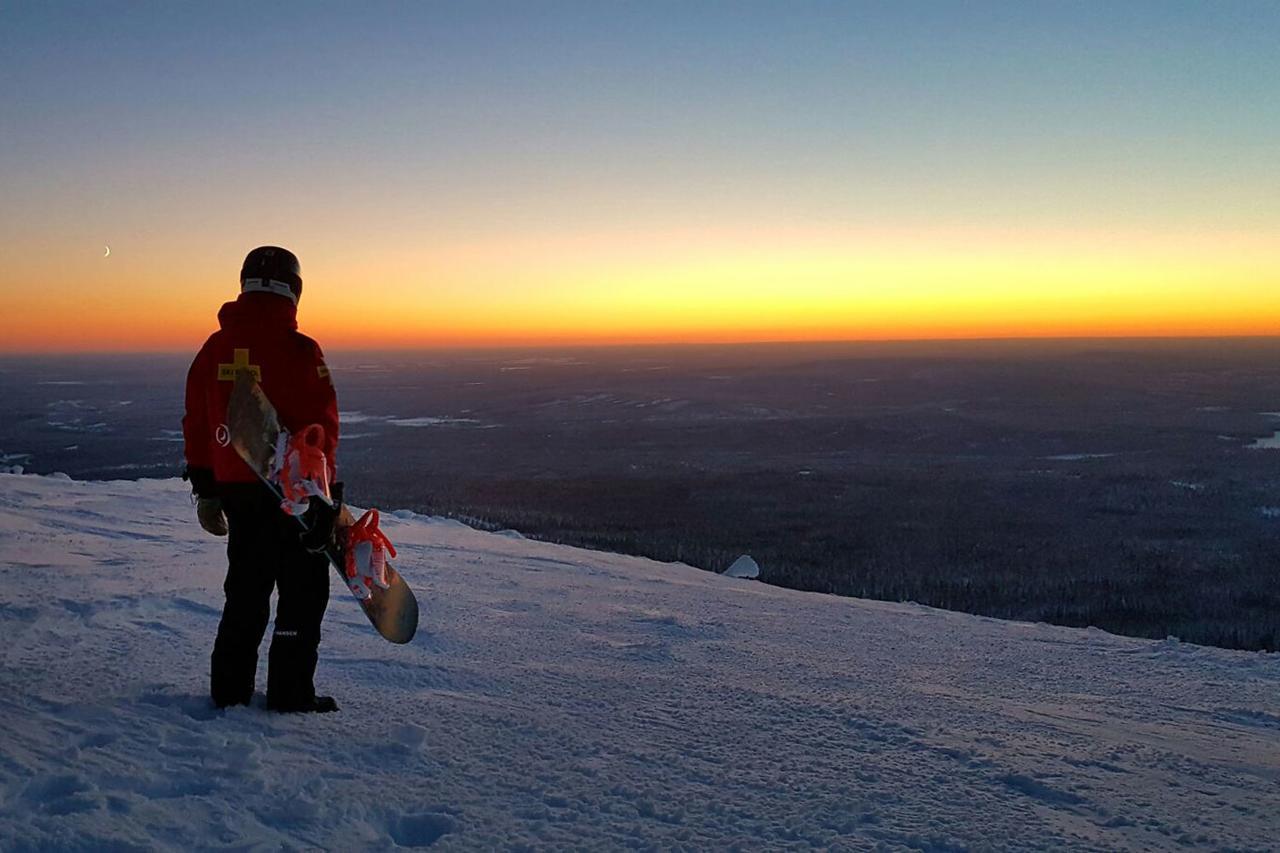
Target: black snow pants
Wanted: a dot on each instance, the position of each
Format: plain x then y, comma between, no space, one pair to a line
263,552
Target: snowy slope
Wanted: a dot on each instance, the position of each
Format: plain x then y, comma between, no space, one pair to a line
564,698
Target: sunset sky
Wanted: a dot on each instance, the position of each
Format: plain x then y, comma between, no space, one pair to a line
599,172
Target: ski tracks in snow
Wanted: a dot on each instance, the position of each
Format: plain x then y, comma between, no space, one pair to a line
562,698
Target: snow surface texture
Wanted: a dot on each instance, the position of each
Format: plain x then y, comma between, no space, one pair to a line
563,698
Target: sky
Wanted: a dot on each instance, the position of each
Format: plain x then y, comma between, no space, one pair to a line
604,172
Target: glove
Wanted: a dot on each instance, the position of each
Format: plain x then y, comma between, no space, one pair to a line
209,512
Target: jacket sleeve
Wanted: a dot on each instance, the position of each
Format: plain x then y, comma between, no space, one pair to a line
197,443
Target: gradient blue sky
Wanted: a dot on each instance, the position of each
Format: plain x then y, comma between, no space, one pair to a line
185,133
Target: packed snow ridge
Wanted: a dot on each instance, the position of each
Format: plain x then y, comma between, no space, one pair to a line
558,698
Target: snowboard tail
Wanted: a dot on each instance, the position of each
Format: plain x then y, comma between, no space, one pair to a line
254,427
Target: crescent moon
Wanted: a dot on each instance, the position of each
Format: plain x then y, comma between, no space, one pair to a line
107,253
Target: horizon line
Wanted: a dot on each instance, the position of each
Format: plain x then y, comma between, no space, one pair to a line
620,345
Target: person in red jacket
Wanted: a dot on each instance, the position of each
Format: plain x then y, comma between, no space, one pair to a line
259,332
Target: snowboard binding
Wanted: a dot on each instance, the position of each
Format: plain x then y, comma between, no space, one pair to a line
300,469
366,549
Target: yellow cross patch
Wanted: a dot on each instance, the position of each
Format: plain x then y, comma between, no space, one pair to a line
239,362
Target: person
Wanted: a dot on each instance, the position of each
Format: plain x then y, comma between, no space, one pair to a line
259,333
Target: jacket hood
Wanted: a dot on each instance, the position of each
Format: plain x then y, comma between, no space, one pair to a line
259,310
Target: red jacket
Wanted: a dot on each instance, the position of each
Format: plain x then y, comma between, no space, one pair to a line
259,330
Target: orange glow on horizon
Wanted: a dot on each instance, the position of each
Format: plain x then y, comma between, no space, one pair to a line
689,287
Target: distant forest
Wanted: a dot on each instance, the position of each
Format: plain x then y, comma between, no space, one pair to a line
1101,558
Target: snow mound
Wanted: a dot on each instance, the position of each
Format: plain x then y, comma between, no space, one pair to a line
564,699
743,567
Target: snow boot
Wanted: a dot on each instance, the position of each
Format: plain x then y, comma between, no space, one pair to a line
314,705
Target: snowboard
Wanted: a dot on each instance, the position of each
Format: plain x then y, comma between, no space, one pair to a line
254,428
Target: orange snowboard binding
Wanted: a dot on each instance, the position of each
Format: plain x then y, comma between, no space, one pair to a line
302,470
367,549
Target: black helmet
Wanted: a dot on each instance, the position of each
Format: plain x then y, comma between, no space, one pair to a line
270,269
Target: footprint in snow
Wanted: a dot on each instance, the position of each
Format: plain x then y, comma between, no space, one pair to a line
421,830
61,794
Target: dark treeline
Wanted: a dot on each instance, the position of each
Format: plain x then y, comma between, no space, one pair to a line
1097,555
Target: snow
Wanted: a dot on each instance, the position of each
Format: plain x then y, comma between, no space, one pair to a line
357,417
743,567
430,421
558,698
1076,457
1271,442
